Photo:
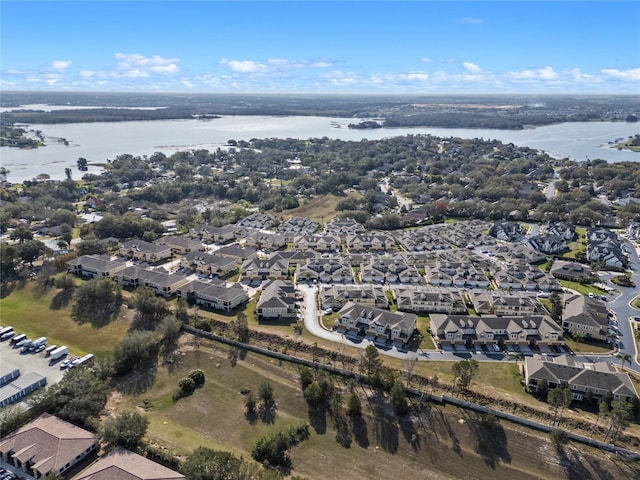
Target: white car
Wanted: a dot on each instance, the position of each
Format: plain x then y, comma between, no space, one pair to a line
496,347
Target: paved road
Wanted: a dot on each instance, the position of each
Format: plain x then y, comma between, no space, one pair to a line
313,325
620,305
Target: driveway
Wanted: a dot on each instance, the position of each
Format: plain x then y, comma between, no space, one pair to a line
313,325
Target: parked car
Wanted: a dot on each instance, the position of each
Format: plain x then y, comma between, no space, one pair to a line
496,347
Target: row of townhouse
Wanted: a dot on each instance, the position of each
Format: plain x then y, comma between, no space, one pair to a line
585,380
586,316
217,296
530,331
428,299
210,263
49,446
159,281
354,243
277,301
225,297
336,296
382,327
258,269
456,274
603,246
502,304
96,266
159,250
573,271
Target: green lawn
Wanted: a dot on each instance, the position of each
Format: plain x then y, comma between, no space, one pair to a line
582,288
585,346
34,310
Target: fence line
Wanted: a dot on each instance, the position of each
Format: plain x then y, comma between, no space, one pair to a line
440,399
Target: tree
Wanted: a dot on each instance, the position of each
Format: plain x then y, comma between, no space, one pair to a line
207,464
272,448
354,406
240,327
21,234
65,282
371,363
126,429
151,309
620,415
79,396
313,395
250,407
198,377
306,376
464,372
265,394
559,438
624,357
399,398
96,301
8,260
137,351
559,398
30,250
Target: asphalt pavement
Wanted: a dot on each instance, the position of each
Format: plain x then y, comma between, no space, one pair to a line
620,305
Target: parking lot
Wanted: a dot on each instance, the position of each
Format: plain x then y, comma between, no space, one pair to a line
30,362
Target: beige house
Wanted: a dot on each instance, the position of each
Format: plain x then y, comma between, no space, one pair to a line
216,296
586,316
121,464
277,300
47,444
531,331
417,298
502,303
95,266
145,251
379,326
585,380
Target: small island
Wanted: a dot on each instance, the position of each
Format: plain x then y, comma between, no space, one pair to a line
632,143
367,125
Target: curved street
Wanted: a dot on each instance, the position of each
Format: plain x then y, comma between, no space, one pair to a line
620,305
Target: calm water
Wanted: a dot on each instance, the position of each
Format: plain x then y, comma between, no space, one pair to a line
99,141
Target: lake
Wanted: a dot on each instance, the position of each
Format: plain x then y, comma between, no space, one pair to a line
99,141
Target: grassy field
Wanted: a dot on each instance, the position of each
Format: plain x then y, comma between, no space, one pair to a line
37,312
581,288
587,347
319,209
436,444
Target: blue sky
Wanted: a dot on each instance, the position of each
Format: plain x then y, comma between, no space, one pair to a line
321,47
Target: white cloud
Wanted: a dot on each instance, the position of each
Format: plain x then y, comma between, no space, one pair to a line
135,65
244,66
187,83
420,76
632,74
544,73
426,60
471,67
60,65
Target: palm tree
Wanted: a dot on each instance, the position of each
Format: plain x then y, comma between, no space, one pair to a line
624,357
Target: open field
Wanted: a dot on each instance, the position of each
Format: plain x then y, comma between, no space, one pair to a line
438,443
320,209
37,311
584,289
